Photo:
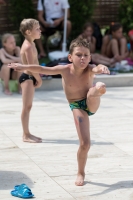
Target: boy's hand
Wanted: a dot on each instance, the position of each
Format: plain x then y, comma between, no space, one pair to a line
102,69
16,66
38,84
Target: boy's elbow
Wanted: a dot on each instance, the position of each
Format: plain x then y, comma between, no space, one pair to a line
41,70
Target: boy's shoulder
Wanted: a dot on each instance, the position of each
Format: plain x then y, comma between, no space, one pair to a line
65,67
90,67
26,45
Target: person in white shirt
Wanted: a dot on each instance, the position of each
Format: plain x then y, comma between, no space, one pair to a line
51,18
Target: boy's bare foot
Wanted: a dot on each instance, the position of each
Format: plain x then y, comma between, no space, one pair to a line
7,92
80,179
36,137
101,88
31,139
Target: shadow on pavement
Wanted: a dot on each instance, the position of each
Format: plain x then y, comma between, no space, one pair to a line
54,141
111,187
8,179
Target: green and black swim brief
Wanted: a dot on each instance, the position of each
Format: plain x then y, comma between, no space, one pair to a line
81,104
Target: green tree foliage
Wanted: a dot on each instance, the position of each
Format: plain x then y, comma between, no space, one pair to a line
126,14
19,10
80,12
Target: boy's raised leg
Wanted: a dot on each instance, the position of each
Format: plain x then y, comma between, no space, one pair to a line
82,125
93,96
27,95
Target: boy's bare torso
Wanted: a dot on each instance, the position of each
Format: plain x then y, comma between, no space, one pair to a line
24,48
76,86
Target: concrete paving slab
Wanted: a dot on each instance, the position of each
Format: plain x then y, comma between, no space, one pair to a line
118,80
50,168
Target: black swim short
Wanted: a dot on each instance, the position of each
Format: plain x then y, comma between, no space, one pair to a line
25,77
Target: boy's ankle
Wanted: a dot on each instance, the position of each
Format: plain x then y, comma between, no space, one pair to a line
81,173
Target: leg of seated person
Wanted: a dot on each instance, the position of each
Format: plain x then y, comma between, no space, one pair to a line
69,28
15,76
40,47
19,86
108,52
5,75
112,49
40,44
123,46
98,58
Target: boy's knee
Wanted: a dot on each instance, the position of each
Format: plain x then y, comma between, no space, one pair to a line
98,85
27,108
85,146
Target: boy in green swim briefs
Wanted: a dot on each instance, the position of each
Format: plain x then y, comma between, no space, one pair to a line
83,97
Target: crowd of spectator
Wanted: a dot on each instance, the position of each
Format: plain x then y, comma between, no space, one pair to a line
115,46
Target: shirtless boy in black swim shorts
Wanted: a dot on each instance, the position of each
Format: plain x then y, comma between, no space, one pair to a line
29,81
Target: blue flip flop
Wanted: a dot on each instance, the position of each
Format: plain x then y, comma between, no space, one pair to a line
16,187
22,191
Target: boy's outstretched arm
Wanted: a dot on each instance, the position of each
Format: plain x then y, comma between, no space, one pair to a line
37,68
100,69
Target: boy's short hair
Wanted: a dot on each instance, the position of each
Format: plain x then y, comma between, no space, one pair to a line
27,24
79,42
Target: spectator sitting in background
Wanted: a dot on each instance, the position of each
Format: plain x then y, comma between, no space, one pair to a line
130,34
87,33
8,54
130,48
51,18
115,44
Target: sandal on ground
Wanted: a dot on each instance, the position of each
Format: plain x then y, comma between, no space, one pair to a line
22,191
